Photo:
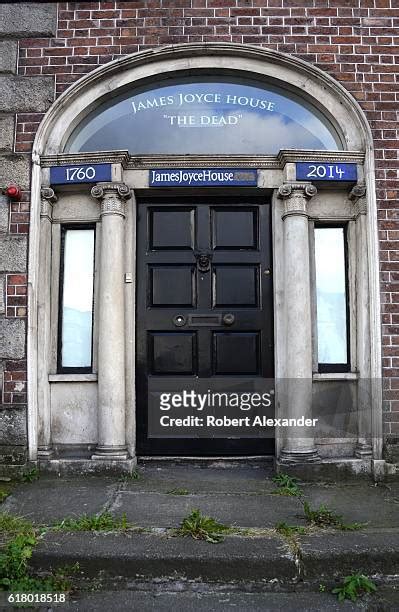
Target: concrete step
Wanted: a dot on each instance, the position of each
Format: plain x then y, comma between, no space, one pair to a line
316,557
242,496
208,598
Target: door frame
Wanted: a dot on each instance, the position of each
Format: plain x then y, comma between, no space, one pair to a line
70,108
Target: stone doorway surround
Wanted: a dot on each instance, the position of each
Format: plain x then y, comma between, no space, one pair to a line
292,211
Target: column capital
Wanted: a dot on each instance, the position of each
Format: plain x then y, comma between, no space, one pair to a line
112,197
295,196
48,198
357,195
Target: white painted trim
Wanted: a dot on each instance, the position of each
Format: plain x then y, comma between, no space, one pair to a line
375,309
54,378
33,268
331,376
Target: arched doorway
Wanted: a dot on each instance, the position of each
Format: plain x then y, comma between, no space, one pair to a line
272,98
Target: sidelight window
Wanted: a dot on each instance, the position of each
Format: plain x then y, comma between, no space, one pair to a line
331,299
76,299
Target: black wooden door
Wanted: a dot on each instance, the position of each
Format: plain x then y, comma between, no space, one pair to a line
204,308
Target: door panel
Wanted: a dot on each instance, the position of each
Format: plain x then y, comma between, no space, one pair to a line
172,286
204,309
172,353
235,286
236,353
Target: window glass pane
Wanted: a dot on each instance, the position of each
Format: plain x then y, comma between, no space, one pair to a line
205,116
77,298
331,295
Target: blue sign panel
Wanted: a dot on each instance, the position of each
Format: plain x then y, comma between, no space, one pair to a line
71,175
315,171
203,177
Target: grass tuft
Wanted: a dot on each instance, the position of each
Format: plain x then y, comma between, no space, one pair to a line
3,495
202,527
322,516
97,522
178,491
11,524
129,477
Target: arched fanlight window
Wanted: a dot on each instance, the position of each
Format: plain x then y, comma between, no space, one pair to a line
205,115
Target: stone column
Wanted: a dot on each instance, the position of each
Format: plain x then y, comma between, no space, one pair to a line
363,448
48,198
299,445
111,323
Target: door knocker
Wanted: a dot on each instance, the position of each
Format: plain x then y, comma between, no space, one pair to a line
203,262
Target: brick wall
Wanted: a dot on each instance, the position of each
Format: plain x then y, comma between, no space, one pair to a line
355,41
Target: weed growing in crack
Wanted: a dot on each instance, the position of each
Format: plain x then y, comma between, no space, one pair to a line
202,527
178,491
353,587
30,476
289,530
351,526
324,517
129,477
321,517
286,485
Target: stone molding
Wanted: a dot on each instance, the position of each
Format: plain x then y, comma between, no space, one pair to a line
142,162
295,196
48,198
358,196
112,197
322,90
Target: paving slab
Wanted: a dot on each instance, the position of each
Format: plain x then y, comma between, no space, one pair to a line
162,510
204,479
149,555
378,506
48,500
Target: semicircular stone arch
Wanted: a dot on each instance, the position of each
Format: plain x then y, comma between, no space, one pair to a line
109,81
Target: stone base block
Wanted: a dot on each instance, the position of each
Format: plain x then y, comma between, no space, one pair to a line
328,470
45,452
77,467
113,453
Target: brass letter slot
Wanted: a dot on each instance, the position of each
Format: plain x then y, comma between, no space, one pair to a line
211,320
205,320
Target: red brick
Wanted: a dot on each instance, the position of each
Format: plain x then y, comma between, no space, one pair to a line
16,279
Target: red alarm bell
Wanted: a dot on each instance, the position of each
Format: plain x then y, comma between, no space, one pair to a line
13,192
